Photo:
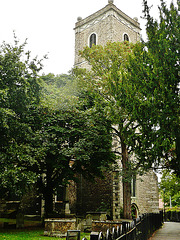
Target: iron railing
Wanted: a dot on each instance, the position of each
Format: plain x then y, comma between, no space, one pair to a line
138,229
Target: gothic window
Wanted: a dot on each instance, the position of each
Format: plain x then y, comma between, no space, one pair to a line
92,40
133,186
126,37
134,210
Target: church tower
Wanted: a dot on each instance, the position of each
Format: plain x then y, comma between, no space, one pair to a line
110,24
107,24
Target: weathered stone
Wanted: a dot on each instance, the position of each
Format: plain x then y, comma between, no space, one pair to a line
109,24
54,227
20,220
102,226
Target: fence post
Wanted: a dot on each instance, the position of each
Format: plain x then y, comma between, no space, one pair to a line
162,220
114,233
100,236
140,228
108,235
118,231
124,228
135,228
147,225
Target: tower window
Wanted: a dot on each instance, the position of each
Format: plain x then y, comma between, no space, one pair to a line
126,37
92,40
133,186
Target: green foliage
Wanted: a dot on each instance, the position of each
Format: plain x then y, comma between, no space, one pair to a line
59,91
69,136
59,81
19,87
133,211
59,137
106,80
104,207
170,188
139,87
50,129
153,87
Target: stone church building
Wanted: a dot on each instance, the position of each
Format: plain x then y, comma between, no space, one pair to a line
109,24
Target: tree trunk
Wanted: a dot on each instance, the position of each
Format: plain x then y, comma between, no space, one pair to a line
126,179
127,199
48,196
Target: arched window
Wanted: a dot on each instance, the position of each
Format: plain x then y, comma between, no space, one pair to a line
92,40
133,186
126,37
134,210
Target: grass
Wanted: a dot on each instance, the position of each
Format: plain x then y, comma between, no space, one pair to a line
27,223
10,234
14,220
28,233
7,220
14,234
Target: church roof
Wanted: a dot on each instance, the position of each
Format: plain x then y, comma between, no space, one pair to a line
109,9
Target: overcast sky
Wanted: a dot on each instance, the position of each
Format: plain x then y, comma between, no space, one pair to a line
48,25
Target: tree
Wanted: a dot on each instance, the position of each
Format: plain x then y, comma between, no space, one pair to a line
65,142
19,90
82,132
58,81
105,80
170,188
153,74
139,85
43,131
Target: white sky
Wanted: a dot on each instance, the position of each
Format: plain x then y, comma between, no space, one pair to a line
48,25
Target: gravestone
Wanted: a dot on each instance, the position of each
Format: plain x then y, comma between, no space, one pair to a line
19,220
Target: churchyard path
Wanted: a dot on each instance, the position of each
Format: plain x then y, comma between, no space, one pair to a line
169,231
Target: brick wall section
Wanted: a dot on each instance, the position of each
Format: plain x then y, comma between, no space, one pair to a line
94,196
72,195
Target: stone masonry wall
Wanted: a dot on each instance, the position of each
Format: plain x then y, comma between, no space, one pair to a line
148,193
110,25
103,226
58,227
95,196
103,31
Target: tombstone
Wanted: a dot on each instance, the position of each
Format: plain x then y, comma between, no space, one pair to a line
88,227
103,216
73,235
94,236
19,220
